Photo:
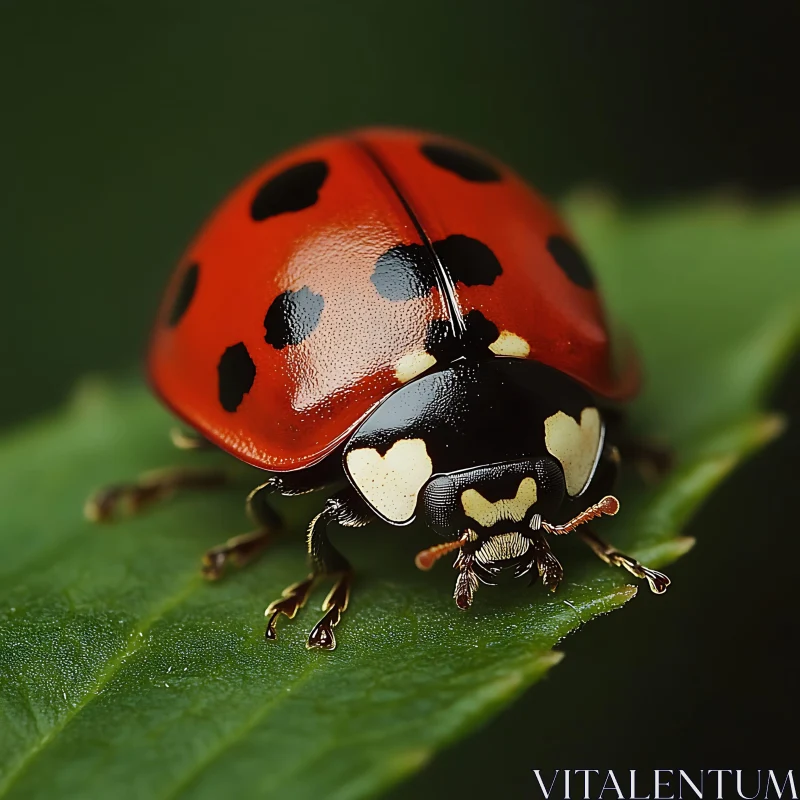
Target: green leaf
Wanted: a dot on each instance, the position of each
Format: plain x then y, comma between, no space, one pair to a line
125,675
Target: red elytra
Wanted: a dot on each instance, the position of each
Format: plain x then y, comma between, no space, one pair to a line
379,190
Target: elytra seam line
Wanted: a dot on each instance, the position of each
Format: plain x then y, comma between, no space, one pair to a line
443,278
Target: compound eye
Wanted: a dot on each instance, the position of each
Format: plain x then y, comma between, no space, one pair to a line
441,504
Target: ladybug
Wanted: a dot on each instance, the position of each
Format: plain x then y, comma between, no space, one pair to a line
397,317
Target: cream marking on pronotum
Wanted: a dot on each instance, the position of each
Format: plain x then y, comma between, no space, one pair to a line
392,482
487,514
413,364
576,446
509,344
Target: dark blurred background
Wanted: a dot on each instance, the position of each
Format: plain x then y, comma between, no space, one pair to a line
124,124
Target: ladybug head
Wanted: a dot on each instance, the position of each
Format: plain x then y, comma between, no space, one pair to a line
498,507
494,499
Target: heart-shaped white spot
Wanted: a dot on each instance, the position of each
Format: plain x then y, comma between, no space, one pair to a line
391,483
576,446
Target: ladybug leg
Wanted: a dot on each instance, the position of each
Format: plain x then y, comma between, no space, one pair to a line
189,440
657,580
652,459
241,550
334,606
130,498
349,510
292,599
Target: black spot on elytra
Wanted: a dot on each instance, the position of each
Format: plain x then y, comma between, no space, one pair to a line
403,272
293,189
441,342
571,260
292,317
184,296
460,162
236,373
407,270
468,261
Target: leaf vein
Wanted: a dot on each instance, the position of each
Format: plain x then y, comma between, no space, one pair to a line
111,668
239,733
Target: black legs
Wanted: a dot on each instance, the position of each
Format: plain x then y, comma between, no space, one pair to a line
325,560
241,550
344,508
132,497
657,580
